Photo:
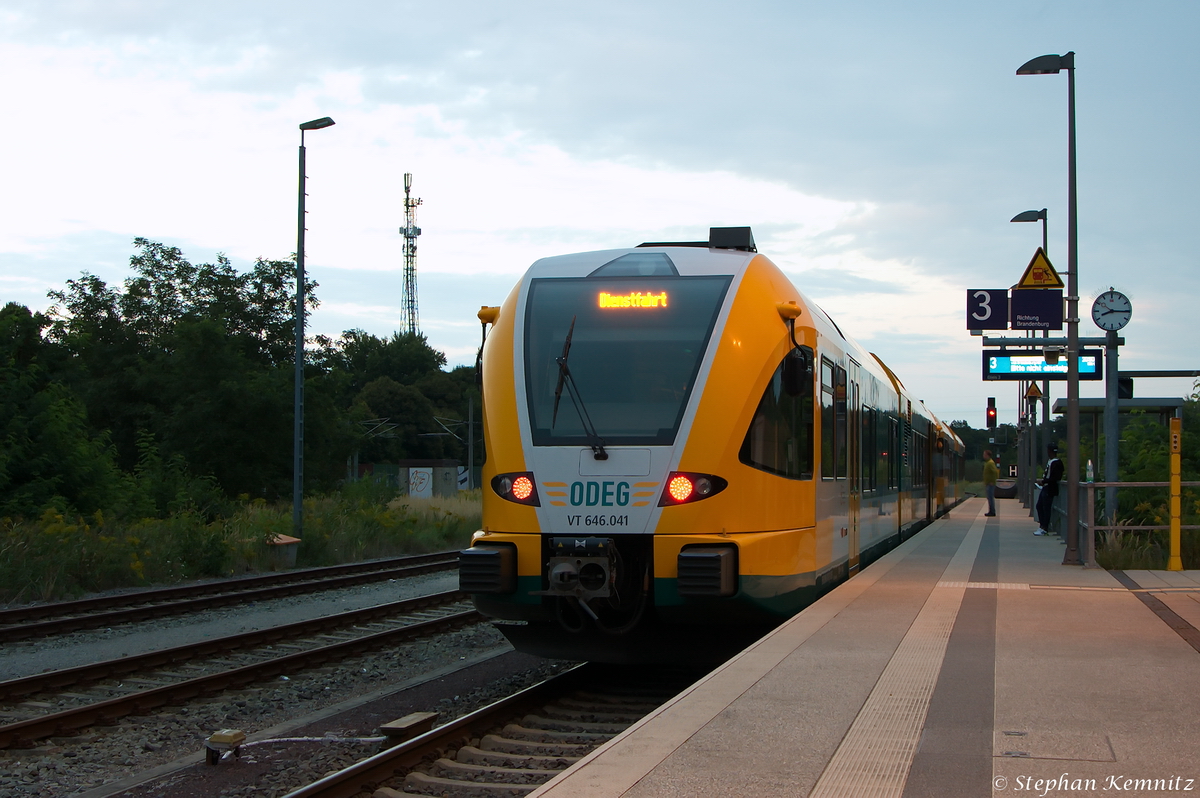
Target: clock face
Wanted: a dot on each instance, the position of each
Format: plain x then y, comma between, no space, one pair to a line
1111,310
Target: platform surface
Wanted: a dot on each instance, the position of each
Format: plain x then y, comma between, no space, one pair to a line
967,662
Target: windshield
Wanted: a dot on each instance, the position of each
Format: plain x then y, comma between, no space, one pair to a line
635,352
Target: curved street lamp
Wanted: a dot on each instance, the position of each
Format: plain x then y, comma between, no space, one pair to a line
298,428
1052,65
1034,216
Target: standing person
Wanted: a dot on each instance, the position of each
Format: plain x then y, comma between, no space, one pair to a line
991,472
1049,483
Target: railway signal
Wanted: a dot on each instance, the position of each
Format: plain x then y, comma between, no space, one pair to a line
991,412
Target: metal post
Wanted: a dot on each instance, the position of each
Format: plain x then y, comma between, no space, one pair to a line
1045,436
470,442
298,408
298,411
1071,556
1030,439
1112,427
1174,562
1089,547
1033,451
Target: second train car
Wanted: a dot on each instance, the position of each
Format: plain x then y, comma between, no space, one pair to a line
683,451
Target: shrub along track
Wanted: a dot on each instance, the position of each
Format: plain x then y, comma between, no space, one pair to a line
514,745
41,620
262,653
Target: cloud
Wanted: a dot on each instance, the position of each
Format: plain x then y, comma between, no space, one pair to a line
877,150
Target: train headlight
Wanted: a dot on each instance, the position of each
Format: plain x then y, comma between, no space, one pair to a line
517,487
684,486
680,488
522,488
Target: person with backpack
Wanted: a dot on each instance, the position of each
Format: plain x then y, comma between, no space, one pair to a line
1049,483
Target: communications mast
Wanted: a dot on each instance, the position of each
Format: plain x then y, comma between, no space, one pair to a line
408,314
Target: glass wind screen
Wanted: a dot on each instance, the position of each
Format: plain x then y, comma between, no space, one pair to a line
635,351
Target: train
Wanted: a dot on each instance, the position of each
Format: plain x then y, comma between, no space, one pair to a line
682,451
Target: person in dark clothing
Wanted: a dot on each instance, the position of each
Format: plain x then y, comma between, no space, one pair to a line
1049,483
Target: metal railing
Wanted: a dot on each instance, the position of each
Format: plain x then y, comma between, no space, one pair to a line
1087,515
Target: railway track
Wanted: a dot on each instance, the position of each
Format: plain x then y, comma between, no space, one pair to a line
513,746
111,691
42,620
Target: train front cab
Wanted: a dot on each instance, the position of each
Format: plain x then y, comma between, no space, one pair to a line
819,483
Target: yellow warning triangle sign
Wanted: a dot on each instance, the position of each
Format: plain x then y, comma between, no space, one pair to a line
1033,392
1039,273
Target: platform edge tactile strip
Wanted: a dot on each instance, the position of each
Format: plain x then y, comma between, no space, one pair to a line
877,752
623,762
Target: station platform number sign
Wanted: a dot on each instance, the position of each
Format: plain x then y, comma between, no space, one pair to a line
987,309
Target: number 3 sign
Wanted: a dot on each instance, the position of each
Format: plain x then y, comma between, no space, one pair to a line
987,309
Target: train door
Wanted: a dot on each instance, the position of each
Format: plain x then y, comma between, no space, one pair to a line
854,456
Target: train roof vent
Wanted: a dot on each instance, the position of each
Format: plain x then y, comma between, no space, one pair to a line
718,238
638,264
731,238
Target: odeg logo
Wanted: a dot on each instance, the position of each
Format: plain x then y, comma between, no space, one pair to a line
599,494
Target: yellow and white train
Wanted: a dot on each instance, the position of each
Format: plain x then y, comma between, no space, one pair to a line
683,451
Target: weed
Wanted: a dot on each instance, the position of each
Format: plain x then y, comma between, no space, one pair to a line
59,556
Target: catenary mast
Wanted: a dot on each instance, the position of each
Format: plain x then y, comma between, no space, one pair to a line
409,319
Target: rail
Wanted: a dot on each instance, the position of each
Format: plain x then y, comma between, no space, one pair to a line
59,618
23,733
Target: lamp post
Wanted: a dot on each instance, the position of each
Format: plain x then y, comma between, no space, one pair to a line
298,428
1036,216
1052,65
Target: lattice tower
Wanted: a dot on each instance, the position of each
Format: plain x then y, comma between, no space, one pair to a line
409,319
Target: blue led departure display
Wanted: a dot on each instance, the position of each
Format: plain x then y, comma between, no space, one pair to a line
1008,366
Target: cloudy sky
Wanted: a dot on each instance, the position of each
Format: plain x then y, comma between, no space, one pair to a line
878,150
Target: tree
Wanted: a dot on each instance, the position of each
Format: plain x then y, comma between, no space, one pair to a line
48,455
200,357
405,358
410,411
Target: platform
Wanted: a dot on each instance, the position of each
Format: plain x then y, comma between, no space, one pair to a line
967,662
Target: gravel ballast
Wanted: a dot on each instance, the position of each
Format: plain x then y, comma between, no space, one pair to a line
28,657
105,756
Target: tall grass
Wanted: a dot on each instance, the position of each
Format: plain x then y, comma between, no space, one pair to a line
1131,550
57,556
1149,549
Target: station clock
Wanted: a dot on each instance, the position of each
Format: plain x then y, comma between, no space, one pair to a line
1111,310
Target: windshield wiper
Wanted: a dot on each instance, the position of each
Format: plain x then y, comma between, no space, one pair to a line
565,378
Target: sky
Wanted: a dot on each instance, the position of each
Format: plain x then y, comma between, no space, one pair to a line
877,149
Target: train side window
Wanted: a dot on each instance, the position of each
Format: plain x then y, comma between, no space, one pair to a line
780,437
840,397
868,447
828,438
882,447
891,454
920,461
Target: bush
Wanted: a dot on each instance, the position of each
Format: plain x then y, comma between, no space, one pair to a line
1134,550
60,556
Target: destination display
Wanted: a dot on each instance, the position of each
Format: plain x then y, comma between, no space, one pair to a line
1011,366
636,299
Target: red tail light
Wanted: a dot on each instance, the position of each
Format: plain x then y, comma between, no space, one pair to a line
684,487
517,487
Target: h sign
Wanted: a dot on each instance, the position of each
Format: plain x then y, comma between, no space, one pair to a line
987,309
